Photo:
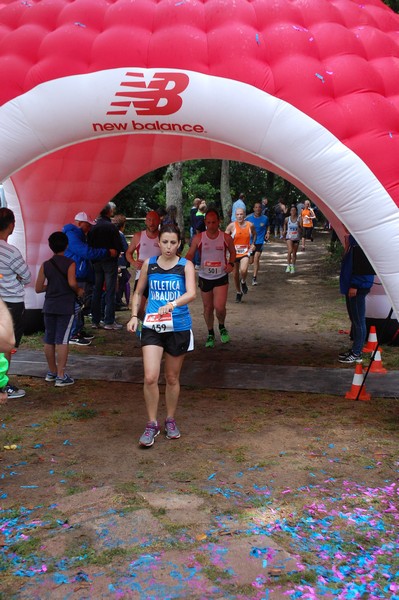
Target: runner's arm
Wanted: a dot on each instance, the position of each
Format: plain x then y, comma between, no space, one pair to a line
194,247
134,242
232,252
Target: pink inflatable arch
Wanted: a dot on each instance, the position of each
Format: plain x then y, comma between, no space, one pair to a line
95,93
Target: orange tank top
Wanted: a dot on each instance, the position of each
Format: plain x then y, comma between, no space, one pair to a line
242,237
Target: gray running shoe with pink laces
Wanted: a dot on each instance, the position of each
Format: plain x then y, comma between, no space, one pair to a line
171,430
152,429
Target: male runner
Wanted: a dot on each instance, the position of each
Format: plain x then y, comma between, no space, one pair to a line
212,245
261,224
241,231
146,244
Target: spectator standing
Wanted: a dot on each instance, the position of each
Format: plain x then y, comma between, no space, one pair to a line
279,215
7,342
104,234
265,207
123,286
15,275
57,278
262,228
356,280
239,203
82,254
144,244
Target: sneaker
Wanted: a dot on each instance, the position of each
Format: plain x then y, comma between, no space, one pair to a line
171,430
344,354
244,287
95,326
113,326
288,269
350,358
238,297
50,376
79,341
151,431
85,334
254,282
13,392
224,336
210,341
292,268
63,381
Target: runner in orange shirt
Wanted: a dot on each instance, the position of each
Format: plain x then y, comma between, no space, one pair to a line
242,231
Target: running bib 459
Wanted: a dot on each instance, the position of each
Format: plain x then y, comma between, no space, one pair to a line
159,323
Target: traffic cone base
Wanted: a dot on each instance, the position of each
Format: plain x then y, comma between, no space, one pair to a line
357,382
376,365
372,341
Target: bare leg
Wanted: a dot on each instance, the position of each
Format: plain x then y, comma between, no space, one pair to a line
294,251
207,301
173,365
256,263
219,301
244,262
49,352
236,275
62,357
152,356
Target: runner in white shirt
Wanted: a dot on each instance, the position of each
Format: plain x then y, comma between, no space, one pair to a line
213,281
145,244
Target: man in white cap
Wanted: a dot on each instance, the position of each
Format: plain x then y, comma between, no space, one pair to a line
79,250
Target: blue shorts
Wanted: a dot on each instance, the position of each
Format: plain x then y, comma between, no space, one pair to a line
57,328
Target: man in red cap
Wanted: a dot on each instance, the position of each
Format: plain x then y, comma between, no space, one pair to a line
145,244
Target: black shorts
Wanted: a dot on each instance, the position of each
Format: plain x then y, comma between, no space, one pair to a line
307,233
174,343
17,311
239,258
146,291
207,285
258,248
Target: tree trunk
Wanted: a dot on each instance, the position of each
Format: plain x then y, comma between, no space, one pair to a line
174,186
225,195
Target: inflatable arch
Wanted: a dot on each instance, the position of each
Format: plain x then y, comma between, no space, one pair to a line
96,93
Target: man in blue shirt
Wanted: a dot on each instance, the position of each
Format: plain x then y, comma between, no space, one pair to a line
262,228
239,203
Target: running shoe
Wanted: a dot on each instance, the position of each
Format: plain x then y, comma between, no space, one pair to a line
350,358
13,392
292,268
151,431
345,354
171,430
77,340
254,282
210,341
244,287
113,326
50,376
224,336
64,381
86,334
288,269
238,297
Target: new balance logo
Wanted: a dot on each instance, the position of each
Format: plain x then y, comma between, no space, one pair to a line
161,96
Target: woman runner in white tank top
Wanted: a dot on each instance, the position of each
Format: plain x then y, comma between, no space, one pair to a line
292,235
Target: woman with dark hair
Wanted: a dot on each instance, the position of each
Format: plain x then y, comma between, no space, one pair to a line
166,327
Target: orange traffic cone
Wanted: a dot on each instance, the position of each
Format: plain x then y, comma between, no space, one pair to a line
376,365
357,384
372,341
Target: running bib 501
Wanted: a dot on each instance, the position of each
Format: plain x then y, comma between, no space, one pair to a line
159,323
212,267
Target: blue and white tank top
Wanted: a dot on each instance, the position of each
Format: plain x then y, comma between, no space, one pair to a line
292,230
165,286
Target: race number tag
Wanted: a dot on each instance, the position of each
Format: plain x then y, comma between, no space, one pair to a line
159,323
241,249
212,267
